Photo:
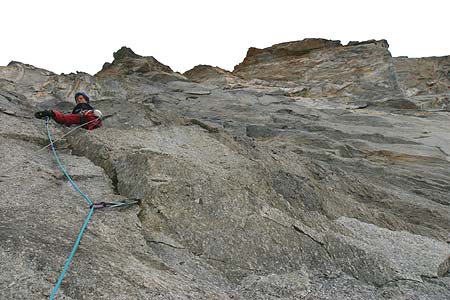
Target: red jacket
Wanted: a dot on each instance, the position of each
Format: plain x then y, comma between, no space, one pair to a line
82,117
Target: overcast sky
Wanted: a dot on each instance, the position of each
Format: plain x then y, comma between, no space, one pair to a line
67,36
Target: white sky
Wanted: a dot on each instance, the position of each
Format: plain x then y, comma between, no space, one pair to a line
68,36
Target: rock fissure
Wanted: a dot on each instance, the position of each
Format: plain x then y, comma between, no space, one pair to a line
165,244
296,228
25,137
443,152
395,281
14,114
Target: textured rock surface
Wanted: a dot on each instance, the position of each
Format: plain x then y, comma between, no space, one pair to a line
126,62
381,255
326,68
212,75
427,80
315,175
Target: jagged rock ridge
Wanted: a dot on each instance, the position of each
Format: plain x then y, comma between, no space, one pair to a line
311,171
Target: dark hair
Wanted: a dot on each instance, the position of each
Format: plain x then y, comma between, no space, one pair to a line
82,94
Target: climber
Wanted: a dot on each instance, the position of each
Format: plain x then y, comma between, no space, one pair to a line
82,113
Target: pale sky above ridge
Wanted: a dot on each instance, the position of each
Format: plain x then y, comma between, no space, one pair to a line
68,36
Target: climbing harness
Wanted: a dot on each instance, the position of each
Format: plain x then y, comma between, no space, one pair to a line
93,206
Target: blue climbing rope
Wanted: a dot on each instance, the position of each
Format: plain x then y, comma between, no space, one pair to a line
75,186
92,206
74,249
83,228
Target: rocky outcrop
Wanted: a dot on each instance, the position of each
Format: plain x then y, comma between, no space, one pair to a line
258,188
284,50
204,72
381,43
212,75
326,68
126,62
427,80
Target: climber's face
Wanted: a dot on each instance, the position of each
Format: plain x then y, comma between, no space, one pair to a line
81,99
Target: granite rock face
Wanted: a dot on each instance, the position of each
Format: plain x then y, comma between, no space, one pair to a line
326,68
425,79
309,172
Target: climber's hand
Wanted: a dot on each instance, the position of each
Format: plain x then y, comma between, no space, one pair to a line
44,114
98,113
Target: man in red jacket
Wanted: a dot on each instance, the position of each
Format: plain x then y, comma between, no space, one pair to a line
82,113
